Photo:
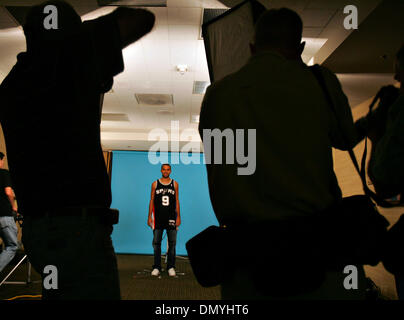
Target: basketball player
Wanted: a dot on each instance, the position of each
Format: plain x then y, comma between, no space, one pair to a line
165,207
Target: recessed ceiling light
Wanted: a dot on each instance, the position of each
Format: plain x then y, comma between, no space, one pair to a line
182,68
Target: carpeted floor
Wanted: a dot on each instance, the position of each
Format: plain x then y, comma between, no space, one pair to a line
138,284
135,278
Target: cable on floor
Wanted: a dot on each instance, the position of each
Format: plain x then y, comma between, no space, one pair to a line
25,296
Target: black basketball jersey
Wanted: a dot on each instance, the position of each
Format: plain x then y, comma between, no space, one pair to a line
165,205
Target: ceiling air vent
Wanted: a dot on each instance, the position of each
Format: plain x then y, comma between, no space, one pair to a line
194,118
154,99
200,87
114,117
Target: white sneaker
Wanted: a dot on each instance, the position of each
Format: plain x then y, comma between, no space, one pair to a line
171,272
155,272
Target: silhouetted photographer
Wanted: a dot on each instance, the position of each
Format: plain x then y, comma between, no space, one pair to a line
287,224
387,173
374,124
51,113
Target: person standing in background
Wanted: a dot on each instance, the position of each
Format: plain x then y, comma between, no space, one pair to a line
387,168
165,207
8,205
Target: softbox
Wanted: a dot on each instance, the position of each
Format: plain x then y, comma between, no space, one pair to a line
227,38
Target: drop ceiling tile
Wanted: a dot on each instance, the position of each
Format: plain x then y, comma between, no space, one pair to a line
153,86
188,76
185,16
122,81
316,17
201,61
202,76
183,32
159,75
184,3
196,103
159,32
213,4
312,32
296,5
160,14
329,4
183,52
93,14
134,59
157,54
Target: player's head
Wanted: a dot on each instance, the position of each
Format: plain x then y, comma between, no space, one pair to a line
165,170
2,159
64,21
279,30
399,67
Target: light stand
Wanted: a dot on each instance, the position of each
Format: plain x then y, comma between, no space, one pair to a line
29,267
28,281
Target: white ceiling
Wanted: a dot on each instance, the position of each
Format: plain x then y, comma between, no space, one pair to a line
150,63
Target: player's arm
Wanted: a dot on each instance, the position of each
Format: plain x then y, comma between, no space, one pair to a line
151,204
11,197
177,201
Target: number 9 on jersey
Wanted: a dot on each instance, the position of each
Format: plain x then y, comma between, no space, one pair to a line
165,200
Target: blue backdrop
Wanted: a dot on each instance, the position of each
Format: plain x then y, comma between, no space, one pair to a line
132,177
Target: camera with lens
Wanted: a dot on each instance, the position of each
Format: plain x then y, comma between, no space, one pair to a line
18,217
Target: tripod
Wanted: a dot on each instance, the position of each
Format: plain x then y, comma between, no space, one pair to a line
28,281
19,219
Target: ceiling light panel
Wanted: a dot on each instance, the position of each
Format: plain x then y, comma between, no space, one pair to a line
115,117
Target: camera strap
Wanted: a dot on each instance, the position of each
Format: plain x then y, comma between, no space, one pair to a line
316,70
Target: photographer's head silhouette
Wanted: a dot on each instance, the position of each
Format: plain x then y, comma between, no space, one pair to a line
49,23
279,30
